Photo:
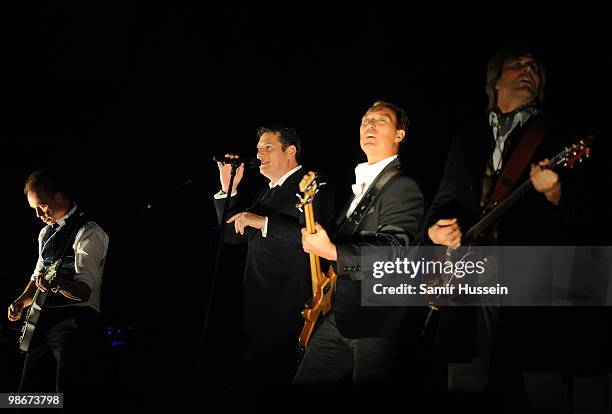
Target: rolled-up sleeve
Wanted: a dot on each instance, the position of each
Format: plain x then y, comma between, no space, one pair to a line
90,247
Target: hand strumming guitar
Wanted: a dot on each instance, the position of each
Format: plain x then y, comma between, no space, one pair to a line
446,232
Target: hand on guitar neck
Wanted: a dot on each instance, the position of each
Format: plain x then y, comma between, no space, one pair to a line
546,181
319,243
447,232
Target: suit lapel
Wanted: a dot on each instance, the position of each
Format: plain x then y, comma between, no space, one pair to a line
287,187
342,220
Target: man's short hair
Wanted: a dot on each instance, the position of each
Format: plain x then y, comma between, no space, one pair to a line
287,137
46,181
401,118
496,67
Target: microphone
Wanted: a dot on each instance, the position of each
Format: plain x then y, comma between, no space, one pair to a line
250,162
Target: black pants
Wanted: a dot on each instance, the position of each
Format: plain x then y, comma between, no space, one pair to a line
333,359
361,371
269,364
65,356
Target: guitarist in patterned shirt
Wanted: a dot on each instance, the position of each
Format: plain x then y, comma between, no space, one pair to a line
476,159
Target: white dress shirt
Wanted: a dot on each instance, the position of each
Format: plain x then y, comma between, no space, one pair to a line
365,174
90,247
278,183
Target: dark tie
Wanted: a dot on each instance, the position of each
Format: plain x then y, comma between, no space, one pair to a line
266,198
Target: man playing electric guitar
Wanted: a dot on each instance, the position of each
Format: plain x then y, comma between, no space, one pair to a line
485,163
68,274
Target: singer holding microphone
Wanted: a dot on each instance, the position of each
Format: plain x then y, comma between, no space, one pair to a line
276,275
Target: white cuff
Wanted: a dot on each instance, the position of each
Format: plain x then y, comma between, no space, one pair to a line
264,229
222,194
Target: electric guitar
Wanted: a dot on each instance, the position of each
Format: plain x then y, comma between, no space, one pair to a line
491,213
322,283
38,302
564,159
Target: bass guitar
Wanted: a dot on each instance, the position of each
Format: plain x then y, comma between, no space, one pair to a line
322,283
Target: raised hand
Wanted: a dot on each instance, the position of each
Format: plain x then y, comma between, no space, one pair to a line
225,174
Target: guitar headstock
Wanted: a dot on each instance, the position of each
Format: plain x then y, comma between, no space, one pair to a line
309,186
575,153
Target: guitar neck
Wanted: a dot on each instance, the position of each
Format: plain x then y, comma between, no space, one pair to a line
35,298
485,222
315,263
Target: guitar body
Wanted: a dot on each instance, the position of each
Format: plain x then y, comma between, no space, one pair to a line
321,304
38,302
30,322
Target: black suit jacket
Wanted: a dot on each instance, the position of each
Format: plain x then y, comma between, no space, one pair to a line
396,213
532,221
277,273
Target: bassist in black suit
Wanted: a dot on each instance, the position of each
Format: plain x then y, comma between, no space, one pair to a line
355,344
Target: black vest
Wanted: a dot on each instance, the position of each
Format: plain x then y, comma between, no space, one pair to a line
54,243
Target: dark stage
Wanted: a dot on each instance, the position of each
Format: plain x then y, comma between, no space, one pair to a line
133,101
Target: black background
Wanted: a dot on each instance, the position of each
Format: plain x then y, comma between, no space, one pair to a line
133,100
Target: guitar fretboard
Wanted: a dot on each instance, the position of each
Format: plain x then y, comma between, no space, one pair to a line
563,159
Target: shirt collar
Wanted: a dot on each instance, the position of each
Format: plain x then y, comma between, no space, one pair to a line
366,173
62,220
520,115
282,180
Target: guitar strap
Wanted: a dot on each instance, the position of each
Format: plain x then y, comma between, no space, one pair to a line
351,224
520,158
